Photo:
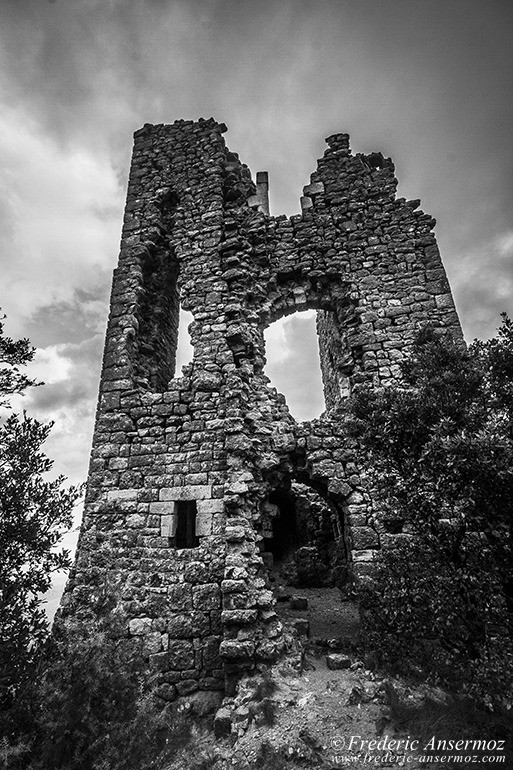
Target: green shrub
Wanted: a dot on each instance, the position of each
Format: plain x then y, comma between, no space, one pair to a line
94,712
439,457
423,614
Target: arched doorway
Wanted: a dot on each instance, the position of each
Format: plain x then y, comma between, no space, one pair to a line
303,538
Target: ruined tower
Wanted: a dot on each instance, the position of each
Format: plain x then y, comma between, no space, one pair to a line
201,480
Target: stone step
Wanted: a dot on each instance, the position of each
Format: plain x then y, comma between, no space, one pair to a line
302,626
337,661
298,603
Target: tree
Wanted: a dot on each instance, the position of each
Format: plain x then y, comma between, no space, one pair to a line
439,453
34,514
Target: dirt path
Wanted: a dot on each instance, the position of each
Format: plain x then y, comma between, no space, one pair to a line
329,617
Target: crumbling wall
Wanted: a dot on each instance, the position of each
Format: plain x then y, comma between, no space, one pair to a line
172,545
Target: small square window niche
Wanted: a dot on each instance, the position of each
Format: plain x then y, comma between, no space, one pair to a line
186,512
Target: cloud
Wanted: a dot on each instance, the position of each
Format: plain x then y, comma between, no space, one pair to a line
70,373
71,321
62,211
483,284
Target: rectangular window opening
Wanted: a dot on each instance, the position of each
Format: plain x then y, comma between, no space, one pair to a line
186,524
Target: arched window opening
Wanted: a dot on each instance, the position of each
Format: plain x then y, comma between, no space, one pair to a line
293,366
280,534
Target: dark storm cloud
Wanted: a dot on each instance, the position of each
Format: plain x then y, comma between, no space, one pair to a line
73,321
76,380
425,82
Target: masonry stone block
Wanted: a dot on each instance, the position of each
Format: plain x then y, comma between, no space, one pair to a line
167,508
364,538
206,597
204,524
364,555
180,654
236,650
210,506
135,521
113,495
139,626
179,597
191,492
193,624
210,653
168,525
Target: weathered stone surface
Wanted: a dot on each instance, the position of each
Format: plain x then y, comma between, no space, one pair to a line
139,626
210,506
337,661
204,522
181,654
193,491
223,722
179,597
188,626
168,525
122,494
210,653
239,617
185,493
206,597
234,650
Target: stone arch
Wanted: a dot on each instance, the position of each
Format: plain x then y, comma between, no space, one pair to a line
303,529
341,350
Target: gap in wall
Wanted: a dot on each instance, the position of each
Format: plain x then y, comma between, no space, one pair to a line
184,350
293,365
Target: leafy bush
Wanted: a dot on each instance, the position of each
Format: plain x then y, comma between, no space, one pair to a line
439,453
95,712
34,514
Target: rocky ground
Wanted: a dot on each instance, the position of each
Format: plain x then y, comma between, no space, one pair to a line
305,714
319,707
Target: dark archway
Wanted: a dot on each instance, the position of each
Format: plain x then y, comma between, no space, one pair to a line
302,538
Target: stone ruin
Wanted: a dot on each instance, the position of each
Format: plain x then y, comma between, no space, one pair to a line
201,483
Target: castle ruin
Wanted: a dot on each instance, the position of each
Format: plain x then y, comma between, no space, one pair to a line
201,482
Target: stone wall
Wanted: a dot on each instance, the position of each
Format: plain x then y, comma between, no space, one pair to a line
172,545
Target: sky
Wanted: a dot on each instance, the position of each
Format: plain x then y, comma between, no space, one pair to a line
428,83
